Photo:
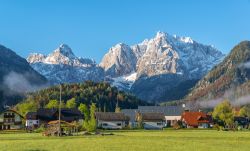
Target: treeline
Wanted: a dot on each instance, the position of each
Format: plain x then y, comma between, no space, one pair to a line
224,114
102,94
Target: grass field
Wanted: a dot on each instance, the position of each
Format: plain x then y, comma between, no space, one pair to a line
167,140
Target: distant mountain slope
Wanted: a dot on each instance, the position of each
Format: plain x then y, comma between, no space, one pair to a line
62,66
232,74
16,77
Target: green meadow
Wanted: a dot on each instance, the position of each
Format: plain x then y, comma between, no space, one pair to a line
167,140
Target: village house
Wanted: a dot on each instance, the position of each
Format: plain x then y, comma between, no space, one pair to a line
111,120
10,120
151,120
195,119
31,120
44,116
172,114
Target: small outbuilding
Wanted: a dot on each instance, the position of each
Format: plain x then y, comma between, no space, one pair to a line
111,120
31,120
151,120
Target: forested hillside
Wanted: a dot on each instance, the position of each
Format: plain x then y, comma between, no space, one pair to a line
105,96
232,74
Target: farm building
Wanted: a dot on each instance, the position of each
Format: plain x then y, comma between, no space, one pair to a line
195,119
10,120
44,116
32,120
172,114
111,120
151,120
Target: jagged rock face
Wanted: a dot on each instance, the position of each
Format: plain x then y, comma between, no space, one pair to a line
120,60
161,64
162,54
62,66
178,55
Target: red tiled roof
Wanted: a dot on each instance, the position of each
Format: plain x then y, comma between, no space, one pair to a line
194,118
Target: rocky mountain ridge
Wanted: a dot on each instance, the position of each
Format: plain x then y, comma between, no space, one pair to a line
130,67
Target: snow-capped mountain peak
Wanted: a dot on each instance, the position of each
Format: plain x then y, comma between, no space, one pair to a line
160,34
36,57
162,54
186,40
62,55
119,60
63,66
65,50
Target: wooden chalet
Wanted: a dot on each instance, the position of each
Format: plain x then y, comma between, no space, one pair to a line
11,120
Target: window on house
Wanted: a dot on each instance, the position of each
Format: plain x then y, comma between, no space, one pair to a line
159,124
104,124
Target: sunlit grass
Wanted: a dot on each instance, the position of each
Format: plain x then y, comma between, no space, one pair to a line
170,140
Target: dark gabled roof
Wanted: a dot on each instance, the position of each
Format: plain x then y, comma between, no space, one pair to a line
151,116
66,114
44,112
51,112
31,115
111,116
166,110
71,112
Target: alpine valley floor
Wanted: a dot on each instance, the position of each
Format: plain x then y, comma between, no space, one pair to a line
169,140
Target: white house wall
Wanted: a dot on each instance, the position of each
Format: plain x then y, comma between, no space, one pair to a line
110,124
153,125
171,118
29,123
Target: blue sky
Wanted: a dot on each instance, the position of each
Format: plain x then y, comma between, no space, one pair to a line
91,27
